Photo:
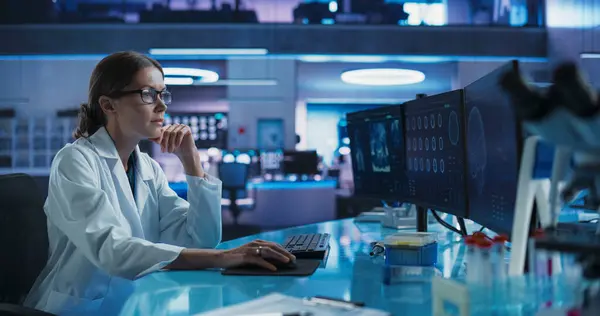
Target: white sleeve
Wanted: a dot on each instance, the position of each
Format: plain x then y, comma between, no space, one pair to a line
195,223
78,206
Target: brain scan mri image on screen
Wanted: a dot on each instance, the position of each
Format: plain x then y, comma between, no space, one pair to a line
396,132
377,149
358,156
477,154
494,143
436,163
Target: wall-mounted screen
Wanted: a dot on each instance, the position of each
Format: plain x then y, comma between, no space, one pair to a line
208,129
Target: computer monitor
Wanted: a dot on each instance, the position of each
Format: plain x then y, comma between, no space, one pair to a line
208,129
300,162
377,149
271,160
435,152
494,144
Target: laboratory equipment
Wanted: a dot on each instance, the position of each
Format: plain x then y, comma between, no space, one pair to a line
411,249
566,115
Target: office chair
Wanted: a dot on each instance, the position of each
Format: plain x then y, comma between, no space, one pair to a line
24,242
234,177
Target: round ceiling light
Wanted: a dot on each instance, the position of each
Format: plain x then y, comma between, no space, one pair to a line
382,77
179,81
188,76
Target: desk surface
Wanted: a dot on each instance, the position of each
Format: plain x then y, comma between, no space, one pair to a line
348,273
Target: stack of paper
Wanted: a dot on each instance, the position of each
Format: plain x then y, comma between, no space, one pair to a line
283,304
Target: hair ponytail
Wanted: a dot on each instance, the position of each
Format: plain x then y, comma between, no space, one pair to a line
91,119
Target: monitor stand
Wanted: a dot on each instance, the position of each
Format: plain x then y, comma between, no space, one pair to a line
422,219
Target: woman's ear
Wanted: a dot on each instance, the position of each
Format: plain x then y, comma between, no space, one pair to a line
106,104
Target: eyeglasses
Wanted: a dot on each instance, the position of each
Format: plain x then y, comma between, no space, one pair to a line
148,95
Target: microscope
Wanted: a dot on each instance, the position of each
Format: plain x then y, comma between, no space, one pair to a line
566,114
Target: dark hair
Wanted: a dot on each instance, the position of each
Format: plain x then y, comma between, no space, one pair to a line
112,74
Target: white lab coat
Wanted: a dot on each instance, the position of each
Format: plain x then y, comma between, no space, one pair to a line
100,235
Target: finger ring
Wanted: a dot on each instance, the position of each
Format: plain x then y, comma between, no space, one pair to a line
259,251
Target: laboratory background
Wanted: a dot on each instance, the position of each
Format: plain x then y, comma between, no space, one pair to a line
430,157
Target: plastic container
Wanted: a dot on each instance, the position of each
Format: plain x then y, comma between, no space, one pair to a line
398,217
408,255
394,274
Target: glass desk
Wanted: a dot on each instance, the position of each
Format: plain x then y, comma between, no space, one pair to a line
347,273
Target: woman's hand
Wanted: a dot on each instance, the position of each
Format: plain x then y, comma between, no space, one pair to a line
256,253
178,139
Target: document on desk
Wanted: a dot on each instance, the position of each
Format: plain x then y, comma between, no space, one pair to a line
283,305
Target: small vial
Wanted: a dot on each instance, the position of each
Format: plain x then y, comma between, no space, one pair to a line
472,265
532,258
543,259
486,272
498,250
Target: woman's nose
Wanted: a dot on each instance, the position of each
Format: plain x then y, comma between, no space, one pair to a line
160,105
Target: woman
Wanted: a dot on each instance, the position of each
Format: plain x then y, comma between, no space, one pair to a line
111,213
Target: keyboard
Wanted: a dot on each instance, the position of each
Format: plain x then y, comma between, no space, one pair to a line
308,246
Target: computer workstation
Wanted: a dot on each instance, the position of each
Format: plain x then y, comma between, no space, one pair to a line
423,155
462,156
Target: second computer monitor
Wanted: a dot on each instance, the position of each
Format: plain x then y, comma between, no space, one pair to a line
377,149
435,152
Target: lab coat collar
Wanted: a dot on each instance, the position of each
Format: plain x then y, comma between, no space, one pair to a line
106,148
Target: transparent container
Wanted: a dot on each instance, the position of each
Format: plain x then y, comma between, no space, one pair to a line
399,217
415,239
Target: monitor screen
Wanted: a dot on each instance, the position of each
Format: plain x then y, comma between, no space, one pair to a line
494,143
300,162
271,160
377,149
208,129
435,152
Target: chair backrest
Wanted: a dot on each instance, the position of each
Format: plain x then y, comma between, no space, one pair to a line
23,236
234,176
